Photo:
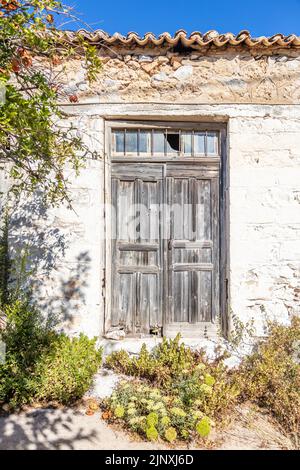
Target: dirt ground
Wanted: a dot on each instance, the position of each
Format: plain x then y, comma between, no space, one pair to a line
71,428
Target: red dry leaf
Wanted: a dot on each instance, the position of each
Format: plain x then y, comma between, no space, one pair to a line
27,61
73,98
55,60
106,415
15,65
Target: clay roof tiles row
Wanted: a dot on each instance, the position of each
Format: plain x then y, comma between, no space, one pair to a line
195,39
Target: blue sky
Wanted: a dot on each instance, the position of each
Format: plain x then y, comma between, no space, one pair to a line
258,16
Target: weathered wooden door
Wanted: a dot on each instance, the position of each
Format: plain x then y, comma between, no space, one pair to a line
137,248
166,231
193,248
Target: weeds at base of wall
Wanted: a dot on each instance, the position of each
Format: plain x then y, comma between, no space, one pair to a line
40,364
177,394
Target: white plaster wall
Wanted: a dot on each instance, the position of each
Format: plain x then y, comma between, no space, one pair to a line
264,156
264,193
79,272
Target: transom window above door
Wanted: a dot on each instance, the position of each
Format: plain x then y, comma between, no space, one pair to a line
154,142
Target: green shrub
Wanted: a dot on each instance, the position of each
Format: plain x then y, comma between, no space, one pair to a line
153,413
65,372
177,369
170,434
184,394
41,364
151,433
203,427
215,400
165,362
270,376
26,338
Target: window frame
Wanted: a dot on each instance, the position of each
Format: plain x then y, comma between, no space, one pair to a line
180,127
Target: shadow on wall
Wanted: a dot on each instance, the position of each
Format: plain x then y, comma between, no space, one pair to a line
38,248
45,429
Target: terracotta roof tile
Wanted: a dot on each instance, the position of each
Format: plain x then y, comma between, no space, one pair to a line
195,39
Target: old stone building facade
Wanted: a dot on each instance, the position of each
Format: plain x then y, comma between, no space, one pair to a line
212,120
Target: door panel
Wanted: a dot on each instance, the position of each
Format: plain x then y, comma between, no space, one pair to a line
181,294
125,302
137,254
193,247
171,282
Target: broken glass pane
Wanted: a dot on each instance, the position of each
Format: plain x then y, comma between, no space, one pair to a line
172,139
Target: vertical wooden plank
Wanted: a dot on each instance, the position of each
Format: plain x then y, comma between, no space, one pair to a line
192,275
194,299
155,312
136,317
182,215
169,248
205,295
137,314
203,208
193,197
207,210
137,201
177,295
216,253
127,300
143,204
181,296
186,209
164,238
124,208
115,278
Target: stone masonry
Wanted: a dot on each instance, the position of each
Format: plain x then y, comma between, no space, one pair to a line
257,94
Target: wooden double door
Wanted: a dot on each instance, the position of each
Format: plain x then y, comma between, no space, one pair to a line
165,247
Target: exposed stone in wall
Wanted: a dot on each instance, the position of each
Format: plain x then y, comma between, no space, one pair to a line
229,76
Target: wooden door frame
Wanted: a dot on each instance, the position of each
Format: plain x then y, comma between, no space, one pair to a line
223,327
